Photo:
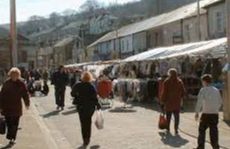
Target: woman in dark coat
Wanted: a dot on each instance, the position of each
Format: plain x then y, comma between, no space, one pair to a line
86,96
13,90
172,95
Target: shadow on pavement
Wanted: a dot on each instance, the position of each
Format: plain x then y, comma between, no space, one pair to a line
70,112
228,123
188,106
122,110
95,147
82,147
71,107
8,146
50,114
173,141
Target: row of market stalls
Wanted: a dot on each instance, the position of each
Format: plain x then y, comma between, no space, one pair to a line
139,77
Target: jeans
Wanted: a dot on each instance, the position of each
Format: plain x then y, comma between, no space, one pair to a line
176,117
208,121
12,123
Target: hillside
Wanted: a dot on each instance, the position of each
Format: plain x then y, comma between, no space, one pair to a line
125,14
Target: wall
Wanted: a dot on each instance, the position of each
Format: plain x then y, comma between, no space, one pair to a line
139,42
217,25
154,38
172,34
190,33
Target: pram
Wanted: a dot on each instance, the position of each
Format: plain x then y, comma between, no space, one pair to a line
104,90
38,85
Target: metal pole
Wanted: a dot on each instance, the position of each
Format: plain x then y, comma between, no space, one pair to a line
13,33
227,81
198,21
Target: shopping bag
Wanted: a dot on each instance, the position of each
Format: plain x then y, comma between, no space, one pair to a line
162,124
99,123
2,125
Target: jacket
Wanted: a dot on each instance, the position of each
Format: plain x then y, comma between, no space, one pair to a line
59,80
172,94
10,97
86,96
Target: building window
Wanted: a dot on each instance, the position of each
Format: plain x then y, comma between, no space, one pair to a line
187,33
219,22
122,45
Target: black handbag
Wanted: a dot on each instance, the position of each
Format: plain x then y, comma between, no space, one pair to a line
2,125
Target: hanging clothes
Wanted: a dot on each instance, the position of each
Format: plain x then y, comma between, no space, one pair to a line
152,86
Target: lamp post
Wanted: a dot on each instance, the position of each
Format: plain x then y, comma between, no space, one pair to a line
13,34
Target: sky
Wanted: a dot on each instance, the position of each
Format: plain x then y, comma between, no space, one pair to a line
27,8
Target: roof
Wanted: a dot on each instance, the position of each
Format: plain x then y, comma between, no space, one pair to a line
154,22
213,48
5,34
66,41
42,33
214,3
76,24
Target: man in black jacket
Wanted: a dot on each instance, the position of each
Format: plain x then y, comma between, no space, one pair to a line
60,80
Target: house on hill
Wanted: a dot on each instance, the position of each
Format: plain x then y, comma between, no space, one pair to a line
26,51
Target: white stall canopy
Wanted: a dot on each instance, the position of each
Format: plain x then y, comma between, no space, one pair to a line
212,48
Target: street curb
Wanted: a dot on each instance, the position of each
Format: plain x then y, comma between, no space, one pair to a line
48,137
59,141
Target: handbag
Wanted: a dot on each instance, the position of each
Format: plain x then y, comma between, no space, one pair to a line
99,123
2,125
162,124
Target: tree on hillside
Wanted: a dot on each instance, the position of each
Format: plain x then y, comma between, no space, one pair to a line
90,5
55,19
69,15
33,25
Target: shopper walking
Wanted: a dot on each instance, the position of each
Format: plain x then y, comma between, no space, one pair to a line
86,96
208,103
172,95
13,90
60,81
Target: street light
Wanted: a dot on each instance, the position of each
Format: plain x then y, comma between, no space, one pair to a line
13,34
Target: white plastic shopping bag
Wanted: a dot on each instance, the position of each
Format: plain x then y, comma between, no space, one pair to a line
99,123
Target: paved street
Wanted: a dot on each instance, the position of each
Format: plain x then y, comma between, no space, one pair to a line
133,128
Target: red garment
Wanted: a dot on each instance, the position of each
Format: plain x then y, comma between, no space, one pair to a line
10,97
173,92
104,88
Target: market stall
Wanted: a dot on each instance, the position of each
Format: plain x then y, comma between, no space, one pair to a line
191,60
